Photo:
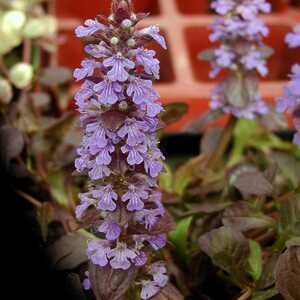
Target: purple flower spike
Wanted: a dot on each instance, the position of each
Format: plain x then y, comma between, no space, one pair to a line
290,101
119,66
110,228
90,27
240,32
107,198
119,114
122,257
135,197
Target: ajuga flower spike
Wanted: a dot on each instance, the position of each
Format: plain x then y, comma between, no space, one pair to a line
119,151
290,101
241,53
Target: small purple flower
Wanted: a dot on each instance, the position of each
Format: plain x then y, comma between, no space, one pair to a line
157,242
119,65
98,136
108,91
254,60
222,7
146,59
122,257
86,282
98,251
104,155
86,201
98,50
99,171
159,272
107,198
149,289
293,38
83,94
141,90
135,154
225,57
135,197
149,217
87,69
153,31
110,228
153,163
141,259
90,27
133,129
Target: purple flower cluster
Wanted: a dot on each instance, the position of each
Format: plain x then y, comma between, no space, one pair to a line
119,151
290,101
240,32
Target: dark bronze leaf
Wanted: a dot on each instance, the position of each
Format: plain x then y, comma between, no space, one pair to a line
169,293
173,112
229,250
110,284
68,252
287,274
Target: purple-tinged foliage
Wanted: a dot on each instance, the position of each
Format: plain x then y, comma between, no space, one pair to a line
242,52
119,152
290,100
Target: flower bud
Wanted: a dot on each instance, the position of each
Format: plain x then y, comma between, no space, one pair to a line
13,21
21,75
126,23
114,40
123,106
131,43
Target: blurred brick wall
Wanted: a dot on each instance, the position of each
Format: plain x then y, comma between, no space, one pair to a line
184,23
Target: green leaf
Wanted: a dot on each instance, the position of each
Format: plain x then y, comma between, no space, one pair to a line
186,173
56,182
44,217
166,180
264,295
255,263
207,54
244,131
179,237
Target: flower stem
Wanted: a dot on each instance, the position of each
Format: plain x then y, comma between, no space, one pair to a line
223,144
247,294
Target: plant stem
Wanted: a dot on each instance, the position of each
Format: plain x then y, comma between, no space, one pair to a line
30,199
223,144
246,295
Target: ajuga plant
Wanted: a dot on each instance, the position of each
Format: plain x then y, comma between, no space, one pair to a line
119,153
